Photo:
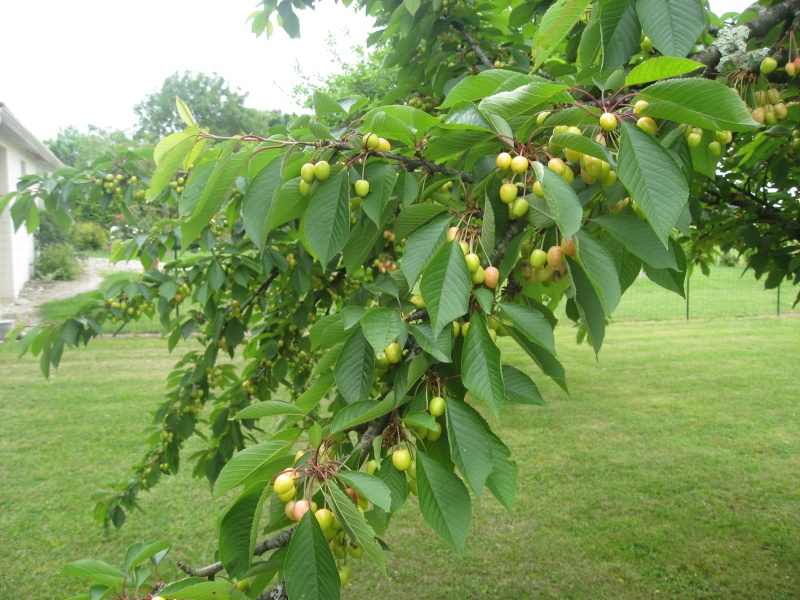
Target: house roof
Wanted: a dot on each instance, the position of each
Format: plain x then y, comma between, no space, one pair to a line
10,125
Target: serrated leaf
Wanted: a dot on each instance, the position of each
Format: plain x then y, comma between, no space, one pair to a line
438,347
445,286
672,25
326,222
361,242
310,567
670,279
619,31
257,201
520,388
369,486
355,524
698,102
309,399
557,22
481,372
443,501
94,570
661,67
639,239
197,588
532,324
381,176
547,362
248,462
361,412
600,269
480,86
355,368
469,444
653,178
422,246
269,408
589,304
503,480
525,98
582,144
564,206
238,529
381,327
142,551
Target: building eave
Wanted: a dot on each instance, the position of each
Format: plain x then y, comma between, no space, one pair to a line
10,125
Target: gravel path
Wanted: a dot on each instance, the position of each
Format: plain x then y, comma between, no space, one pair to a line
37,291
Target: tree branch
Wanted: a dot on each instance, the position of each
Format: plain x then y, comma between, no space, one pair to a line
279,593
513,231
273,543
473,44
407,161
757,27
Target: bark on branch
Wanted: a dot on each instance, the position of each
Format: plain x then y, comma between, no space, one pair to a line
473,44
758,27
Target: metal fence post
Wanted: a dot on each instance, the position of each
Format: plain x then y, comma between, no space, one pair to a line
688,279
779,301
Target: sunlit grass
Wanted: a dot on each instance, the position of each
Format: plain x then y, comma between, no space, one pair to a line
671,471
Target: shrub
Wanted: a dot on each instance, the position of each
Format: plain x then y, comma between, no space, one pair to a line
49,231
88,236
57,261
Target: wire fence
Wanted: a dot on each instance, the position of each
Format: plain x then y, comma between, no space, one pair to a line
726,292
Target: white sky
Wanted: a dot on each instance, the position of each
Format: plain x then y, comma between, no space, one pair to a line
81,62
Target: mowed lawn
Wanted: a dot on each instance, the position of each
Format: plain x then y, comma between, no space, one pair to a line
672,471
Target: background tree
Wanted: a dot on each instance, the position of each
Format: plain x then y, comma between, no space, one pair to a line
548,154
77,148
220,108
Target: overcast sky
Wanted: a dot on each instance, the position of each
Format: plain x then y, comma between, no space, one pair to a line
81,62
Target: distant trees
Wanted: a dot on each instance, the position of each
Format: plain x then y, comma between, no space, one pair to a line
213,103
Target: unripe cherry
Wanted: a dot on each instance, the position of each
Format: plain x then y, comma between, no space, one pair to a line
491,277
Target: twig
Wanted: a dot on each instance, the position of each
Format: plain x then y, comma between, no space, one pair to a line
279,593
513,231
473,44
273,543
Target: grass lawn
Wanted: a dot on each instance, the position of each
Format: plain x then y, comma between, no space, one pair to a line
673,470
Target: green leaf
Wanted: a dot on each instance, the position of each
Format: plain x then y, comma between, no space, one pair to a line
355,368
698,102
257,202
94,570
381,326
653,178
248,462
238,529
286,204
443,501
362,240
324,104
326,223
309,399
480,86
465,115
445,286
672,25
469,444
589,305
381,176
438,347
269,408
142,551
582,144
503,480
557,22
422,245
661,67
513,103
532,324
670,279
170,155
408,374
220,184
520,388
600,269
619,31
361,412
355,524
564,206
185,114
638,238
196,588
310,567
419,419
415,216
369,486
547,362
481,372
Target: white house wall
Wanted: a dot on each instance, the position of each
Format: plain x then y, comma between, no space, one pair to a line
16,248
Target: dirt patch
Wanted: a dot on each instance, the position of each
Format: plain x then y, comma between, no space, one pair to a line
37,291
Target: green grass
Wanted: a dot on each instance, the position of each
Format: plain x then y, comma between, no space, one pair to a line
60,310
671,471
726,292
